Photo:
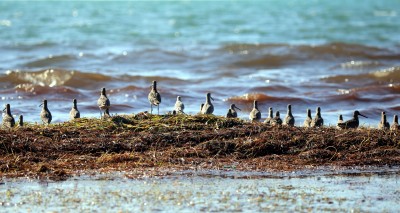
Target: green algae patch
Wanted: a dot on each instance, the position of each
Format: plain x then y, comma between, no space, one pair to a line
145,142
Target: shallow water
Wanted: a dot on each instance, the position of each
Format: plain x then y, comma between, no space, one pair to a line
345,191
339,55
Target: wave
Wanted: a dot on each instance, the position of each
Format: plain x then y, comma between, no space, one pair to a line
50,61
276,55
262,98
389,75
75,79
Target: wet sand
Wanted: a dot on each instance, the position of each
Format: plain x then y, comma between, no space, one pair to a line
150,145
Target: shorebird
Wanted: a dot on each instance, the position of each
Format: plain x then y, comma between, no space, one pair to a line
107,113
179,106
276,121
201,108
45,114
21,121
8,119
208,107
289,119
74,113
232,112
308,120
340,120
395,124
270,116
318,120
383,125
154,98
352,123
255,114
103,102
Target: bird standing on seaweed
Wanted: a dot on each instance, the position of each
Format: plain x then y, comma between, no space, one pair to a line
8,119
74,113
255,114
289,119
154,98
232,112
308,120
352,123
104,103
208,107
45,114
179,106
318,121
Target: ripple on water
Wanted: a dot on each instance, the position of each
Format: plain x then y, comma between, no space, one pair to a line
324,190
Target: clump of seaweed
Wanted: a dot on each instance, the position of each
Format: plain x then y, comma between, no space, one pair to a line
137,142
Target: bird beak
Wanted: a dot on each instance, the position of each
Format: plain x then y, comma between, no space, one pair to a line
41,105
238,108
211,98
4,109
363,115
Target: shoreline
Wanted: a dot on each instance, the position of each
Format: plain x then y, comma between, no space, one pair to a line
153,145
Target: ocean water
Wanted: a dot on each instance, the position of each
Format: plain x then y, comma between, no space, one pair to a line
340,55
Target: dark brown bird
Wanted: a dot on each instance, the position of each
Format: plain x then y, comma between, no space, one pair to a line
232,112
21,121
395,124
340,120
154,98
8,119
352,123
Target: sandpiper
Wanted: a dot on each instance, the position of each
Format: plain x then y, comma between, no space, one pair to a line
340,120
201,108
45,114
154,98
74,113
103,102
107,113
232,112
255,114
318,120
352,123
383,125
308,120
270,116
21,121
395,124
8,119
208,107
289,119
276,121
179,106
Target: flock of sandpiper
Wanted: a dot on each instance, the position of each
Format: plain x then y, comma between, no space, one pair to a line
207,108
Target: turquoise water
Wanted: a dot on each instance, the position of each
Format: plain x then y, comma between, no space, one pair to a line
340,55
